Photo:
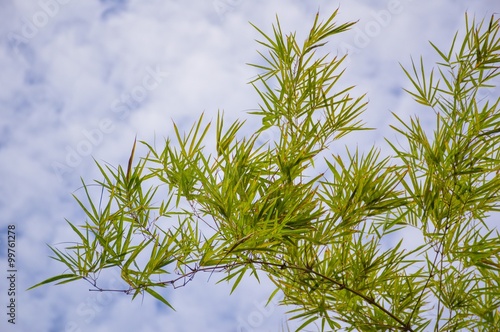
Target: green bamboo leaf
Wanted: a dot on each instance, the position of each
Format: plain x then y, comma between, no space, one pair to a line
70,277
240,274
159,297
306,322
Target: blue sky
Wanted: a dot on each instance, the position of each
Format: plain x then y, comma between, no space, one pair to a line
81,78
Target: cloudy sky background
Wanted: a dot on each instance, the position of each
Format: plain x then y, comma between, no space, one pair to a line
82,78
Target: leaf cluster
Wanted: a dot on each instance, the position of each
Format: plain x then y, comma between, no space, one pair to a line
327,239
